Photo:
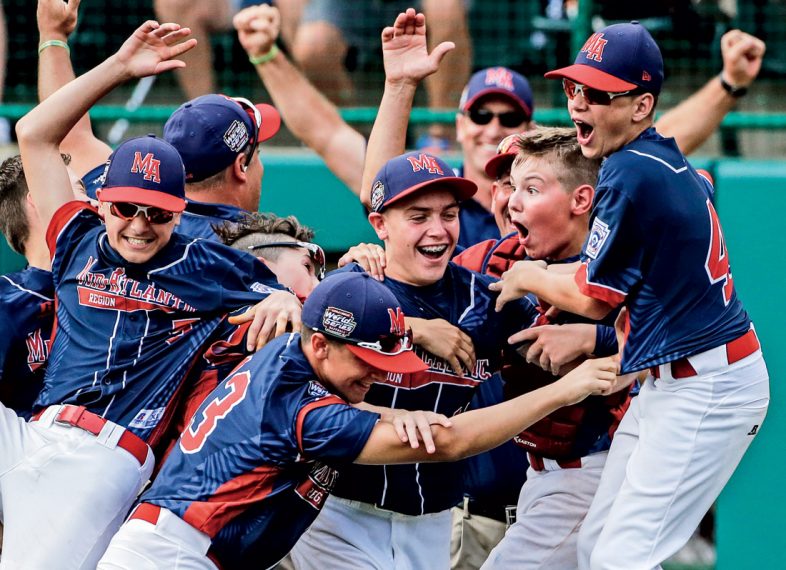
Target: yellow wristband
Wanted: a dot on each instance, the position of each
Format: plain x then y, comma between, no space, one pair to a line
264,58
49,43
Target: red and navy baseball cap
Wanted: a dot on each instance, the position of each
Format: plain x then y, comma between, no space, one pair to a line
145,170
364,314
499,81
210,131
618,58
506,153
413,172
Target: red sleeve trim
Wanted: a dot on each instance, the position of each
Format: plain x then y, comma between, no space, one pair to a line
472,257
608,295
61,218
301,416
707,175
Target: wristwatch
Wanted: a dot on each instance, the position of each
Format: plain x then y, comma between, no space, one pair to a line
732,90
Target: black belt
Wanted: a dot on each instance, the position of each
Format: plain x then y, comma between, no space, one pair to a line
497,512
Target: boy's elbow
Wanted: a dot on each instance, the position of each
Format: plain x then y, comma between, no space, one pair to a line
450,446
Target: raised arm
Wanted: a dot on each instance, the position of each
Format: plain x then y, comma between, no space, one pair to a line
407,63
695,119
479,430
56,21
150,50
308,114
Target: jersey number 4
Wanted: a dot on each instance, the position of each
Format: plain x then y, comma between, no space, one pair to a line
205,421
717,264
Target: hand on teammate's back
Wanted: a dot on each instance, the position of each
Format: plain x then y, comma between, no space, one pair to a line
369,256
279,313
257,28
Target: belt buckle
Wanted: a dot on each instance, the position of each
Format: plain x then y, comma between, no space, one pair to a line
510,516
70,415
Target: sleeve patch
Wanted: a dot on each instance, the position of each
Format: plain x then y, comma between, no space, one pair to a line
598,235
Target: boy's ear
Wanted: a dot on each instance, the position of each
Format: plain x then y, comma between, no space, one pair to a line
377,222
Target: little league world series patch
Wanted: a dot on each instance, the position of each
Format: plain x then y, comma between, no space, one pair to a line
598,234
338,322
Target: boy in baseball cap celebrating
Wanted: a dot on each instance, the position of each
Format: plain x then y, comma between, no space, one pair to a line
656,246
135,304
253,469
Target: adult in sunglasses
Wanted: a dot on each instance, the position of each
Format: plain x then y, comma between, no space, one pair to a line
656,246
135,304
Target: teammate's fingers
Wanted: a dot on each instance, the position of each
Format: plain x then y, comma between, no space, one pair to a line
424,429
533,352
441,419
180,49
412,432
455,364
242,318
552,313
398,425
529,334
467,358
439,52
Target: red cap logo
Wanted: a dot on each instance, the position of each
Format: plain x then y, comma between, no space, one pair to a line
500,77
397,323
425,162
593,47
645,76
149,166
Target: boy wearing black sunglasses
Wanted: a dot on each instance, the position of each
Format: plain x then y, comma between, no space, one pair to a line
135,304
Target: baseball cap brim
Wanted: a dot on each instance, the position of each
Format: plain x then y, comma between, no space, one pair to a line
462,188
405,362
591,77
503,92
271,121
498,163
143,197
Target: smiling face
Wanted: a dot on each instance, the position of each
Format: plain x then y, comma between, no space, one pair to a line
420,234
137,241
479,142
551,221
343,372
501,190
603,129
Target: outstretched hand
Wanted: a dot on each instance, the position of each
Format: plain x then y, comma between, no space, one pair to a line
742,56
405,50
257,28
153,49
514,283
56,19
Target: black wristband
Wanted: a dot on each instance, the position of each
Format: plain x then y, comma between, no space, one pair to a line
732,90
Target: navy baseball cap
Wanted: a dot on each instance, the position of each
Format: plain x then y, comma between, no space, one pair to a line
500,81
363,313
618,58
210,131
145,170
408,173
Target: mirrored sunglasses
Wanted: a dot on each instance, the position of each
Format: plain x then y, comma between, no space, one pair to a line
128,211
316,253
390,345
593,96
508,119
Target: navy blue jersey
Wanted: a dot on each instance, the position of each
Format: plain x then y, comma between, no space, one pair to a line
199,218
462,298
656,244
127,334
477,223
26,316
251,470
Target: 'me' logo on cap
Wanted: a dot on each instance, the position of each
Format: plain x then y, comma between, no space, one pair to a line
500,77
425,162
397,323
149,166
593,47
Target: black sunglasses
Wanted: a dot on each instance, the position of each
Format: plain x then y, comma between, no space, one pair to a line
128,211
594,96
316,253
508,119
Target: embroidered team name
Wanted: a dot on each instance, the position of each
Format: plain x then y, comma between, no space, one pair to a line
500,77
440,371
37,350
425,162
149,166
593,47
119,292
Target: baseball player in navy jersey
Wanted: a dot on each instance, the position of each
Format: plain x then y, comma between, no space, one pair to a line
656,245
256,464
134,306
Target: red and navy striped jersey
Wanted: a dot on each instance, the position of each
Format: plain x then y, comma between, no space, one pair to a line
126,334
251,470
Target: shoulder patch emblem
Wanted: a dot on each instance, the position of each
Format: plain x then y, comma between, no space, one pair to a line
598,234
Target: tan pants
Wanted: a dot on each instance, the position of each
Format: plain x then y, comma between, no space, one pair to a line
472,539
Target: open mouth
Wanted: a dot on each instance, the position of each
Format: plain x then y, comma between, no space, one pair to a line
433,251
584,130
522,230
137,242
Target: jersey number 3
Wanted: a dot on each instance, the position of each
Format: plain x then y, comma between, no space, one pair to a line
203,423
717,264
